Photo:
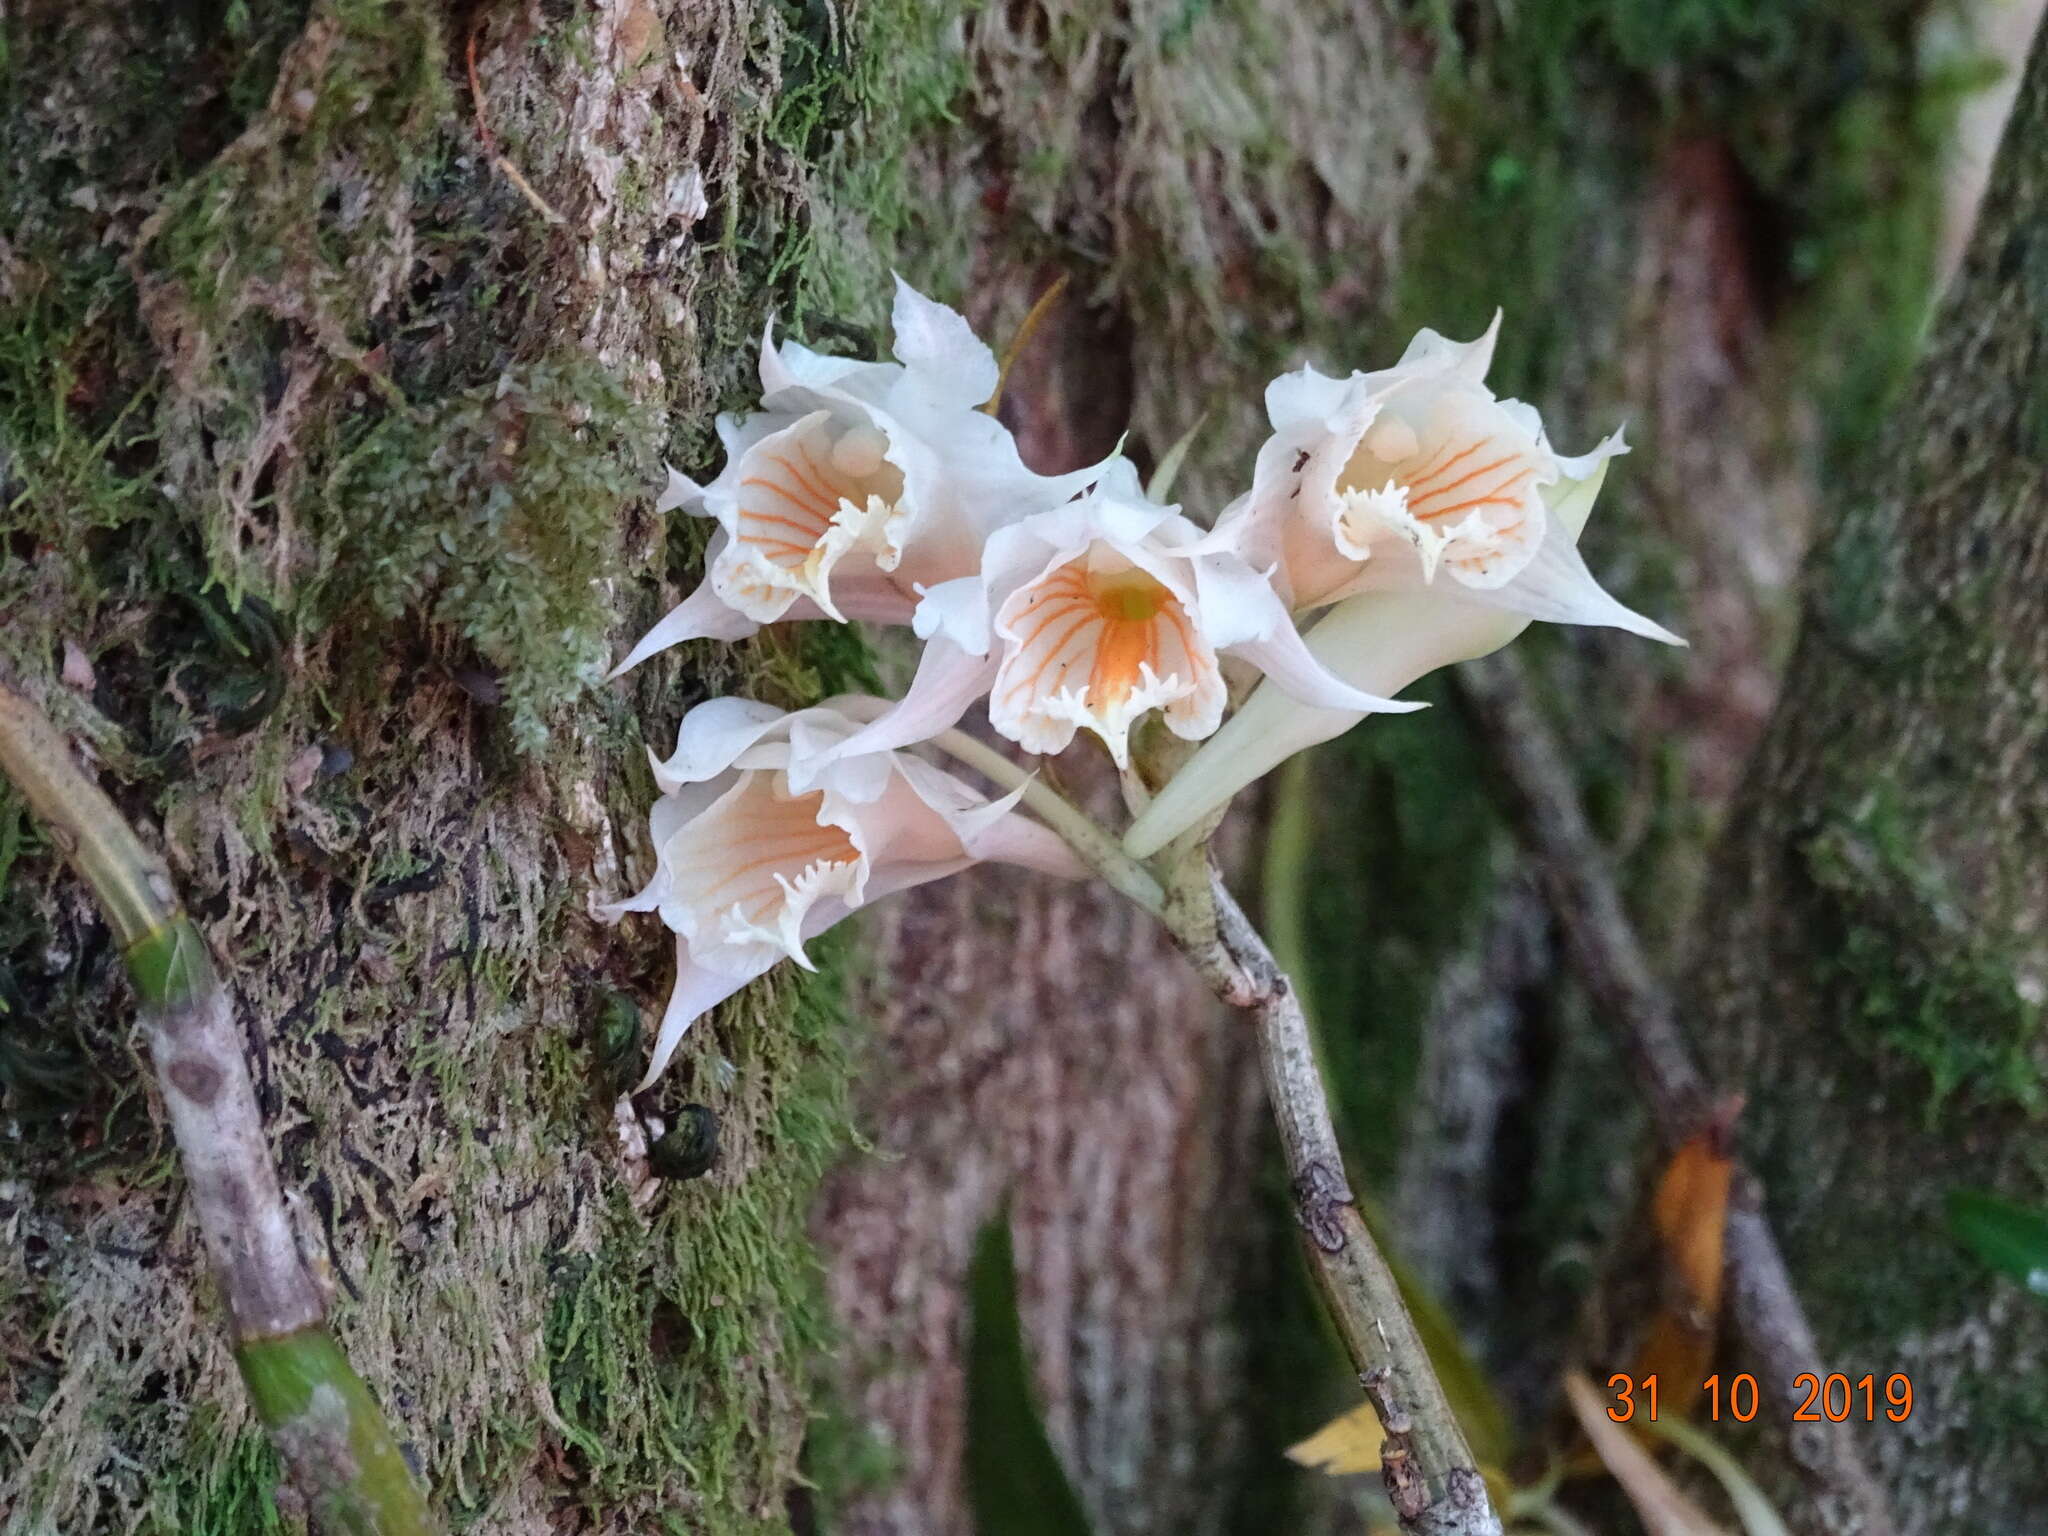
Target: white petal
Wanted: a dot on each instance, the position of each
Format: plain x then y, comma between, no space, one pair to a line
696,992
1378,643
863,594
739,433
1242,614
698,988
992,831
1116,477
1434,355
941,350
1557,586
1238,603
796,366
1268,730
945,687
703,615
812,758
1308,398
681,491
1289,664
1589,466
712,737
955,611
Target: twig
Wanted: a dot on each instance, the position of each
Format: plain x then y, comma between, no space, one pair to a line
1430,1476
504,164
334,1442
1771,1326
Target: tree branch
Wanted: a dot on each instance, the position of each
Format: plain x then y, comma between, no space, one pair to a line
1770,1325
1430,1476
327,1428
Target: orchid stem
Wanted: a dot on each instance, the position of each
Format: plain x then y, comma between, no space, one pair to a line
1430,1475
338,1451
1082,832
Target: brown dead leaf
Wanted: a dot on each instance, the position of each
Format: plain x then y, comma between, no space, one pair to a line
1689,1214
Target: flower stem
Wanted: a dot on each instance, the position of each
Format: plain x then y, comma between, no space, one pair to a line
1083,833
341,1456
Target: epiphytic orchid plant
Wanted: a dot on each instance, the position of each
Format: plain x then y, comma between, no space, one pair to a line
1396,522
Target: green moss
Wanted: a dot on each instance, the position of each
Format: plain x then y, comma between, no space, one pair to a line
232,1494
492,510
1911,974
662,1346
332,456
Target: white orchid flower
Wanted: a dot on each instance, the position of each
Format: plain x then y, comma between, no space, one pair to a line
1380,641
1417,477
856,486
1090,616
748,867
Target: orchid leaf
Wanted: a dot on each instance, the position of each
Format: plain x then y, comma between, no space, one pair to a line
1015,1481
2011,1238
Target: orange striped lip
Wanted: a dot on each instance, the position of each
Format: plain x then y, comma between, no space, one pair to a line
1093,629
790,494
745,853
1454,474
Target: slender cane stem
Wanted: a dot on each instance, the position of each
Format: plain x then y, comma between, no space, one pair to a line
1431,1478
341,1456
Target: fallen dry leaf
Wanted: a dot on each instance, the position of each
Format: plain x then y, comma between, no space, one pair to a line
1348,1443
1689,1213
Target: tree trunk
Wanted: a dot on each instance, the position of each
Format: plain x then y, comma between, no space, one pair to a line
1874,975
337,350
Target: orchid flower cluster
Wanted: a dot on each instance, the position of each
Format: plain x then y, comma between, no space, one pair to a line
1396,522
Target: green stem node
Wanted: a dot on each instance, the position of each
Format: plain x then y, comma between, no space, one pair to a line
169,965
342,1459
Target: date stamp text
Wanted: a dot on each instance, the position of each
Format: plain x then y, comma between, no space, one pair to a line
1832,1399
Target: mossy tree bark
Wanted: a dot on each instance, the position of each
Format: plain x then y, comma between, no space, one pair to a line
341,345
1874,963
